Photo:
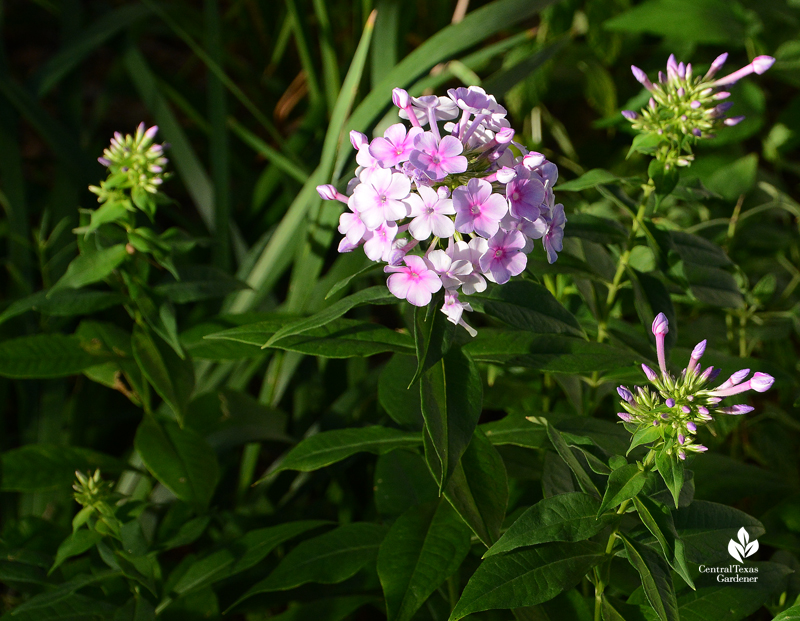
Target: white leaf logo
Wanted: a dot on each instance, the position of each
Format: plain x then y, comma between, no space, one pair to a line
744,547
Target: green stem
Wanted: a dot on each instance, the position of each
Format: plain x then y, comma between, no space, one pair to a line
624,259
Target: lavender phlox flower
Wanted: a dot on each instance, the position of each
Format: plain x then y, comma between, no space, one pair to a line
430,213
478,209
415,282
378,243
395,146
525,194
553,239
504,257
452,272
438,158
430,108
351,226
473,281
380,198
453,307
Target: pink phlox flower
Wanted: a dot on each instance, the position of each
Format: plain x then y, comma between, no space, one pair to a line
472,282
378,244
504,257
554,238
443,108
345,245
531,230
525,194
396,145
453,307
367,165
379,199
452,272
350,224
438,159
430,212
415,282
478,209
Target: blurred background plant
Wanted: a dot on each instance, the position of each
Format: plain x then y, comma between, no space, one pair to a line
254,99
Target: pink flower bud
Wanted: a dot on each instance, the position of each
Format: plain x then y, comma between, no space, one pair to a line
651,375
761,382
400,98
625,416
660,325
358,140
691,427
762,63
327,192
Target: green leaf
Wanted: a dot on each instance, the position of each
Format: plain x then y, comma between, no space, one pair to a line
672,471
73,607
566,517
566,454
402,480
713,286
790,614
240,555
555,353
650,298
644,435
179,458
329,609
735,179
665,179
516,430
87,269
658,520
623,484
478,489
451,393
199,283
644,143
526,577
326,559
433,333
526,306
47,355
49,467
706,527
66,303
696,249
595,229
421,550
400,401
656,579
171,377
702,21
77,543
328,447
589,179
371,295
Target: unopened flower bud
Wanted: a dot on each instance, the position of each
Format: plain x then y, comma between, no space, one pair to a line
691,427
625,416
660,324
327,192
400,98
670,402
736,410
762,63
651,375
734,120
761,382
630,115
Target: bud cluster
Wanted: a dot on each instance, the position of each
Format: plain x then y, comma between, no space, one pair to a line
459,190
679,406
97,498
684,108
135,163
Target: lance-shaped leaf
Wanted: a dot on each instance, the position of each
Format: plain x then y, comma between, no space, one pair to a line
563,449
451,393
86,269
400,401
623,484
478,489
566,517
656,579
658,520
672,471
47,355
180,458
328,447
421,550
402,480
326,559
526,577
433,334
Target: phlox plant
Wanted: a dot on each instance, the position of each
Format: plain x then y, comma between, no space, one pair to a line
467,398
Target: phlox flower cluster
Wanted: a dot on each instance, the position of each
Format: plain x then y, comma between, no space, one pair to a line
679,406
684,107
135,161
445,202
